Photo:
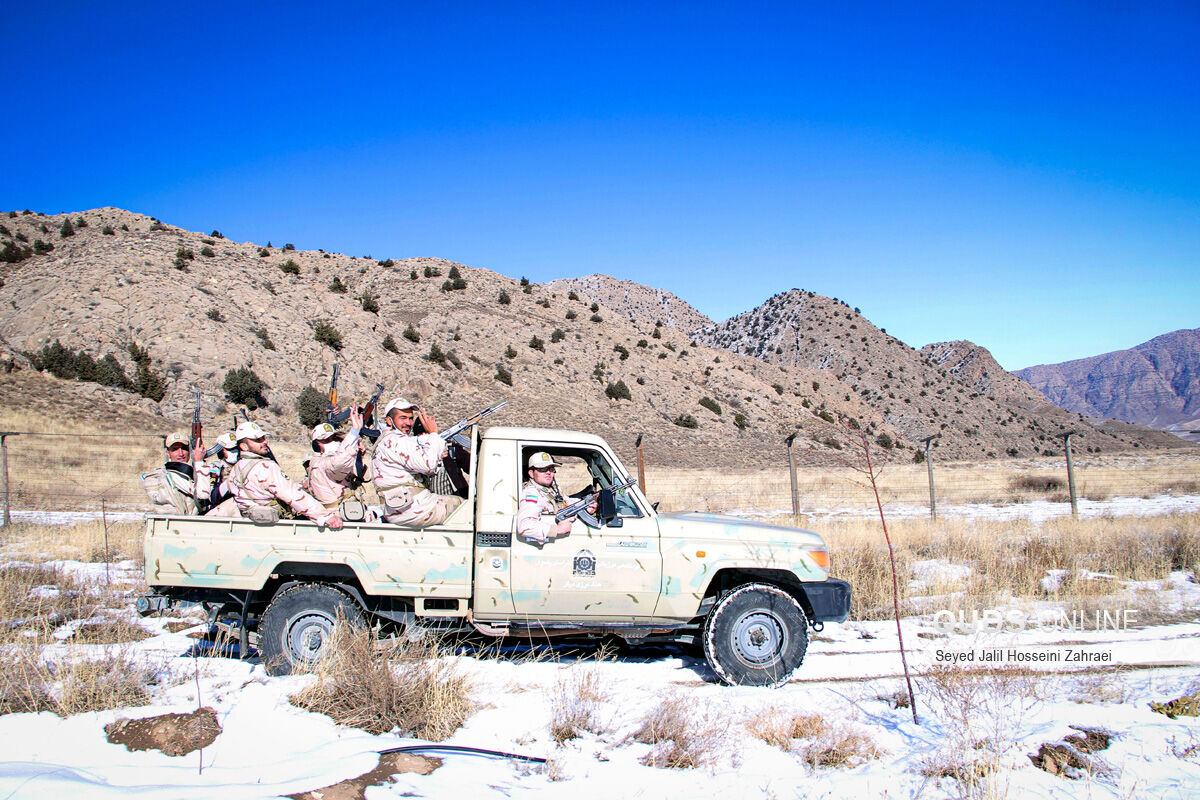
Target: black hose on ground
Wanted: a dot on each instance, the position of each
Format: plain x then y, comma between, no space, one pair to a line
450,748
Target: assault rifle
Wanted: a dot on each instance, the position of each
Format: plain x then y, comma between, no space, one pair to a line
452,434
331,409
368,410
197,431
579,507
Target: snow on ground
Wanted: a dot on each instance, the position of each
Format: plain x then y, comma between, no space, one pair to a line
269,748
1037,510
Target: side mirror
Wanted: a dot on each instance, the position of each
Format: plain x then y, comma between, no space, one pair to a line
606,510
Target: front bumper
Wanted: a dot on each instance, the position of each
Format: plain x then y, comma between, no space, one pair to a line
829,600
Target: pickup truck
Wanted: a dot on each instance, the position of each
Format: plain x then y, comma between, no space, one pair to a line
744,592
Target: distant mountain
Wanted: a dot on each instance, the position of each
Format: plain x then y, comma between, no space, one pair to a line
1156,384
954,390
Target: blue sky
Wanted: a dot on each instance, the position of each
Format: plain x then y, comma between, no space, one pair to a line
1025,176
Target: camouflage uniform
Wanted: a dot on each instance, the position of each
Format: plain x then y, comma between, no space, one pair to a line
536,501
398,459
259,483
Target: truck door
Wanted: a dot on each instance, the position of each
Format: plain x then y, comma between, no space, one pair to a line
613,571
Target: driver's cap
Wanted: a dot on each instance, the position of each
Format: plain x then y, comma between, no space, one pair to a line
249,430
541,460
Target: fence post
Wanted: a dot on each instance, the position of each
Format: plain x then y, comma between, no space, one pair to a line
929,469
4,469
792,469
1070,472
107,559
641,457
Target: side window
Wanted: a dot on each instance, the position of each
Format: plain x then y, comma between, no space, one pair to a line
604,475
582,470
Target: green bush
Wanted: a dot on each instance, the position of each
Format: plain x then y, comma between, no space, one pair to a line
571,314
621,351
107,230
215,314
325,333
642,343
711,405
524,281
656,334
389,344
13,253
740,420
557,336
509,352
290,267
503,375
311,406
435,354
884,441
67,229
336,286
207,251
453,284
594,307
243,387
432,272
825,415
777,387
289,246
504,298
537,344
411,334
263,252
618,391
572,296
596,318
452,357
686,421
369,301
387,264
264,338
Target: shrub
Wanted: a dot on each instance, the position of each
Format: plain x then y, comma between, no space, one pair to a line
524,281
594,307
537,344
389,344
618,391
107,230
13,253
215,314
311,406
80,222
740,420
509,352
67,229
325,333
436,355
642,343
825,415
711,405
263,252
185,253
816,386
656,334
621,351
572,296
336,286
453,284
596,318
454,274
576,704
432,272
778,388
557,336
686,421
264,338
527,289
387,264
503,375
504,298
216,234
290,267
571,314
243,387
411,334
884,441
369,301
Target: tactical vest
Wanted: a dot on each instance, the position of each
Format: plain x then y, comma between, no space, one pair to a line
170,490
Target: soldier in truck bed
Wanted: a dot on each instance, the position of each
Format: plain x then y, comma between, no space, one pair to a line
399,458
261,490
173,488
337,467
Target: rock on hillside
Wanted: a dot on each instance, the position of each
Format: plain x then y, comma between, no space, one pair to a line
634,301
1156,383
955,391
202,305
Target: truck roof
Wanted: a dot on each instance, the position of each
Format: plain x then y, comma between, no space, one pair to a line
543,434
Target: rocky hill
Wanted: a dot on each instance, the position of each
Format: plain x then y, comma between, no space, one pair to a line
455,338
953,390
1156,383
202,305
635,302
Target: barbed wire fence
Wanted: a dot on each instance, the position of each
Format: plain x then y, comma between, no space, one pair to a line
67,477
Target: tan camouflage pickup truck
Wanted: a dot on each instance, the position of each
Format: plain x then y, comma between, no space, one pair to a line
744,592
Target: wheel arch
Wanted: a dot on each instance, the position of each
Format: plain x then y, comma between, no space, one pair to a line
730,578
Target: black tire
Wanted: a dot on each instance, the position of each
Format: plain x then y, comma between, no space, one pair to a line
756,635
298,624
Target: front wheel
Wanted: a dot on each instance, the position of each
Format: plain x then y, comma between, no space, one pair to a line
756,635
297,627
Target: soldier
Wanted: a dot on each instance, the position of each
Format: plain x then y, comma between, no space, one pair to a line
540,495
399,458
337,469
260,488
216,473
172,488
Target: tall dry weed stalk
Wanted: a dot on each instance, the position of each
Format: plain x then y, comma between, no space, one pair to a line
575,706
75,686
815,740
380,686
684,734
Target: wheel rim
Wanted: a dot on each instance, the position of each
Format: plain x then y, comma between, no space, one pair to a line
759,638
307,635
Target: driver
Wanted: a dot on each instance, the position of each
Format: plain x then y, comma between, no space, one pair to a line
539,496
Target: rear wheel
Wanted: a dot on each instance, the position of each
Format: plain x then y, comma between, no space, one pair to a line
756,635
297,626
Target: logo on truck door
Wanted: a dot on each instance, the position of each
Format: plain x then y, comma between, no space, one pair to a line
584,565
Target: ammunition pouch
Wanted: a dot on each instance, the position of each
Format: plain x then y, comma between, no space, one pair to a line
353,510
263,515
398,499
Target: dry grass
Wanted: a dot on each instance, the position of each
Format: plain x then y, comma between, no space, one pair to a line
384,686
1009,560
685,735
813,739
575,705
29,684
110,629
37,599
82,541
